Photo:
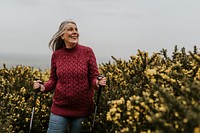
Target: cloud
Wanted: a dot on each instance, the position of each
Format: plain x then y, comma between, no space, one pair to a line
116,27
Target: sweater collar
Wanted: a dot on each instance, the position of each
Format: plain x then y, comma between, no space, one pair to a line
71,49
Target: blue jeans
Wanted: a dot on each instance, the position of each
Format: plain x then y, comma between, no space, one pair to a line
60,124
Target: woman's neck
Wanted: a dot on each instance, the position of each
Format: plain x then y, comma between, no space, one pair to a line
70,46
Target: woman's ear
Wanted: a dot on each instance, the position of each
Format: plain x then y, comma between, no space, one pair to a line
62,37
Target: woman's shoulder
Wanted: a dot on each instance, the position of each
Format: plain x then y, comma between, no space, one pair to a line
85,48
57,52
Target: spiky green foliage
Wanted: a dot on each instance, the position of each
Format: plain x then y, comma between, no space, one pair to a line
157,93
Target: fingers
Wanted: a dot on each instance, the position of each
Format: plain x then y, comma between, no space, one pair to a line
36,84
102,81
39,81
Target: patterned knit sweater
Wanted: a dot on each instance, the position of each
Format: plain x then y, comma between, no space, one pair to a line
73,76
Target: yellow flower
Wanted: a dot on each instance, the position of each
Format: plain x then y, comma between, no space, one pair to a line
184,102
37,102
153,80
142,104
113,110
126,129
120,101
156,93
150,71
197,130
23,90
118,109
128,113
137,107
108,117
136,115
117,116
151,101
130,118
146,93
162,109
137,98
128,104
185,120
26,119
158,115
148,118
176,114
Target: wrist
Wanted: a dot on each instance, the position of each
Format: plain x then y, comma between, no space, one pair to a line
97,83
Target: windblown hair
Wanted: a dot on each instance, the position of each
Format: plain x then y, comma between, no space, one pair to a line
56,41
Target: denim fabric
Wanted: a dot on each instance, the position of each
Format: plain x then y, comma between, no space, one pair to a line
60,124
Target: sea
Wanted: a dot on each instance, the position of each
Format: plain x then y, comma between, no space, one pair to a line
41,62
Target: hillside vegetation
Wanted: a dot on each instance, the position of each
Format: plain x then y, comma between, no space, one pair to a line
145,94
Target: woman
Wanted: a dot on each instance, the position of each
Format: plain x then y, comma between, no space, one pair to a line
73,75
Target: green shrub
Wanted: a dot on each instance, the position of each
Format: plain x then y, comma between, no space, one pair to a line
16,98
152,94
148,94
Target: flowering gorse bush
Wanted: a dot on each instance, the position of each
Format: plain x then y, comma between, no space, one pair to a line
152,94
146,94
16,99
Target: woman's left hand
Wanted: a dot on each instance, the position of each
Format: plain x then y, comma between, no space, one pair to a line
101,81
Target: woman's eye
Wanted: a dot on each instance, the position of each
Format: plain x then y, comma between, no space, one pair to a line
70,29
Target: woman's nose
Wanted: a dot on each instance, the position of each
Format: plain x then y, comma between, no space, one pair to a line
75,30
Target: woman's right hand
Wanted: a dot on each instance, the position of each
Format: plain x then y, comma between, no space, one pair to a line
38,85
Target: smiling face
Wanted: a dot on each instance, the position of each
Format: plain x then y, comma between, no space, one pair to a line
70,35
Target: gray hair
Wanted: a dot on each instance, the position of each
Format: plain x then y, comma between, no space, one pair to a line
56,41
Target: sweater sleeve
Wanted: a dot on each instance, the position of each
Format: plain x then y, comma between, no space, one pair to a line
93,70
51,83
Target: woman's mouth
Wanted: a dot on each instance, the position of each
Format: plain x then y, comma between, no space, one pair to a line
74,37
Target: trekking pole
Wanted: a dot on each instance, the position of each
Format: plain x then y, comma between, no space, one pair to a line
97,102
33,110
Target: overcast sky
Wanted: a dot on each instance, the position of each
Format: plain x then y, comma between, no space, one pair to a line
111,27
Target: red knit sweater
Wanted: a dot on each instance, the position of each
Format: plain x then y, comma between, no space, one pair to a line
73,76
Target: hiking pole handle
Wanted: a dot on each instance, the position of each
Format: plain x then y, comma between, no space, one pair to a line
99,90
34,104
98,95
97,102
35,94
